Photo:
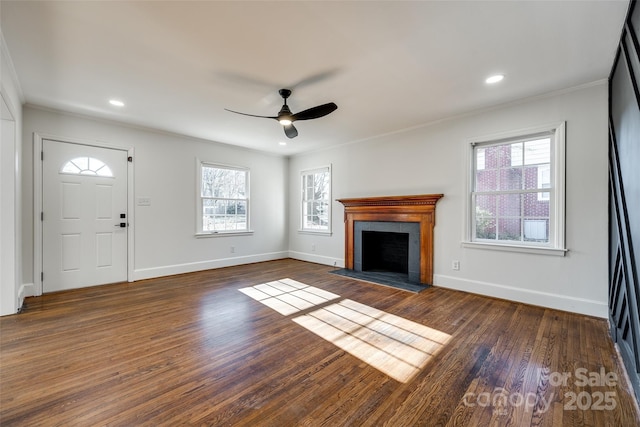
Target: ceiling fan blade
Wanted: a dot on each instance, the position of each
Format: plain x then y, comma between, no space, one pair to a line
252,115
315,112
290,131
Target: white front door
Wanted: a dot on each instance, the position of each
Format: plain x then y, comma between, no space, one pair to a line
85,220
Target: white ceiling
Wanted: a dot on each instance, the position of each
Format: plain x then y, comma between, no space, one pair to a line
389,65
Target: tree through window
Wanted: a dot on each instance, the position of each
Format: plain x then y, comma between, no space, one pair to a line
224,198
316,199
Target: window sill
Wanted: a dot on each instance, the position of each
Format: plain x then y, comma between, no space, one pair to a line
516,248
206,234
315,233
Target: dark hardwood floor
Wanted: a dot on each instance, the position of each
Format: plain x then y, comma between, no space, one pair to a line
195,350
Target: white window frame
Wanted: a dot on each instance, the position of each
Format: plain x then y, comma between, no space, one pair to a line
200,232
304,173
556,244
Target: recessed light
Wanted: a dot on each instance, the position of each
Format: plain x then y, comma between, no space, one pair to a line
494,79
282,143
116,103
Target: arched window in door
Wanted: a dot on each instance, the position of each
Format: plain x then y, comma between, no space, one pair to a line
87,166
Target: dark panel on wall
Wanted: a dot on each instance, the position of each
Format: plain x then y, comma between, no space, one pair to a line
634,19
624,197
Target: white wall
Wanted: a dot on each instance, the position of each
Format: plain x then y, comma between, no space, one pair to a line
429,159
432,159
11,291
165,171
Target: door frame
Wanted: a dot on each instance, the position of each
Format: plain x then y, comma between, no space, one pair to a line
38,138
10,222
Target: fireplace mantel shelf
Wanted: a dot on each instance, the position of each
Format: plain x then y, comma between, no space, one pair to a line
415,208
421,199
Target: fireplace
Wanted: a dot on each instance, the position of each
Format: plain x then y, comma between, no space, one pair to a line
392,247
393,234
385,251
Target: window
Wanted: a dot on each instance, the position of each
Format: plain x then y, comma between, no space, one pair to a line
224,199
86,166
517,190
316,200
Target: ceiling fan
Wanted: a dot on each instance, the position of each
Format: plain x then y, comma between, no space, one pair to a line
286,118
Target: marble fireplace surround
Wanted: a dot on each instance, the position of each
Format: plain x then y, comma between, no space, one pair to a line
419,209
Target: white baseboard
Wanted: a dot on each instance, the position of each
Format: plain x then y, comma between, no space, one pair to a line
169,270
318,259
527,296
26,290
21,296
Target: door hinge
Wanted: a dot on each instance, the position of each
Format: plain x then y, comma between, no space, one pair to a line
41,216
42,155
42,276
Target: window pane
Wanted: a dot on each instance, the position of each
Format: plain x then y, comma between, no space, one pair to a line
511,179
87,166
534,206
70,167
104,171
486,204
82,163
516,154
207,182
544,176
536,230
509,205
485,217
537,151
321,186
323,214
95,164
531,177
308,181
491,155
487,180
223,182
485,228
480,155
509,229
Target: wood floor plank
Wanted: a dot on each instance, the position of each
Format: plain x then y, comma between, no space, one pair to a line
192,349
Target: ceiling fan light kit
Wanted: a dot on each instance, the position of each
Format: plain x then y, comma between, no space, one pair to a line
286,118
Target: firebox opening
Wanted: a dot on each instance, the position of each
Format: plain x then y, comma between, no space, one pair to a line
385,251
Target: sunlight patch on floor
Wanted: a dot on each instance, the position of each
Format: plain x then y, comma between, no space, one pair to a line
287,296
398,347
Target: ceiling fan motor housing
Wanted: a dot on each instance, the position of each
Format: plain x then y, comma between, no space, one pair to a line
285,113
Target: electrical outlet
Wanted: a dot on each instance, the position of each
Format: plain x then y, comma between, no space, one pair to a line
313,248
455,265
232,249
